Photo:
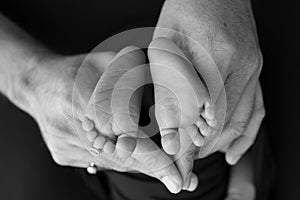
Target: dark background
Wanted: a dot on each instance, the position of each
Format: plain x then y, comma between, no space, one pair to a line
26,168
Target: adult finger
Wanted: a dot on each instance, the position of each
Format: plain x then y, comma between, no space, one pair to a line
240,117
242,144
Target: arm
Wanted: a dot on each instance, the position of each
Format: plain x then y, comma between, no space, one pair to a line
19,54
46,86
31,78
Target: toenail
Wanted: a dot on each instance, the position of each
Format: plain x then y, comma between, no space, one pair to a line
194,183
170,185
91,136
99,142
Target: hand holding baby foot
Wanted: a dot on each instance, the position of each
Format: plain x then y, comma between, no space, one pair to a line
181,98
116,101
111,122
184,111
226,34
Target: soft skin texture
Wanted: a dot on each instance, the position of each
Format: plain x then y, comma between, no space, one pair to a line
41,83
181,109
116,101
181,98
226,30
120,79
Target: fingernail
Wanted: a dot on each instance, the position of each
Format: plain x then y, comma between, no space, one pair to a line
170,143
173,187
168,137
232,160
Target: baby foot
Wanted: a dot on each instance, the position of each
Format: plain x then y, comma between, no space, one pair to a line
99,141
114,107
181,98
147,158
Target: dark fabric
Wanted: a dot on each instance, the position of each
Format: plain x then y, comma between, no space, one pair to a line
211,171
264,165
98,184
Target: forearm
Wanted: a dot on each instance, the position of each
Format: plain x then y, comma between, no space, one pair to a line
19,54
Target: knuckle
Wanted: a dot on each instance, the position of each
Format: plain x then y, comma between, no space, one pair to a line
251,140
235,133
237,129
259,59
190,154
254,61
225,51
239,125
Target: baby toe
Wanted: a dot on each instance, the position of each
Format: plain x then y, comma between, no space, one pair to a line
125,146
99,142
203,127
209,114
195,135
87,124
108,147
170,140
91,135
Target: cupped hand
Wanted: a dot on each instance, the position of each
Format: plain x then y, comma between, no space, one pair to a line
219,38
50,87
60,88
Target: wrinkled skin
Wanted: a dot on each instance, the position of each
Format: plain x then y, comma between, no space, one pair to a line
59,107
226,31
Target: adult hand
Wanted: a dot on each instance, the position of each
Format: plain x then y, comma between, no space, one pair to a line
58,107
47,87
224,32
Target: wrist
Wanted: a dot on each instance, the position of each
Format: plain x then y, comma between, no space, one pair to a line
28,74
